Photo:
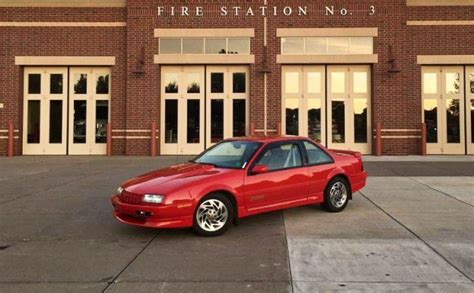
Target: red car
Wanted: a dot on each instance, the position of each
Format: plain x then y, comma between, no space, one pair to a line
237,178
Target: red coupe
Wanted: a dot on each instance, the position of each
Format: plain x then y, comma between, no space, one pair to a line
237,178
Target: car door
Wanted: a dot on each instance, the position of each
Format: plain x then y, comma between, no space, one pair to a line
320,164
285,182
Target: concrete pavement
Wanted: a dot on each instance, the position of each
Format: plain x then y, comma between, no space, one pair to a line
402,232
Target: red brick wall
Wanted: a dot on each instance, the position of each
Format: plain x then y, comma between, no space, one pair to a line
59,41
396,97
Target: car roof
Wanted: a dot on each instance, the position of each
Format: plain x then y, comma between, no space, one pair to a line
268,139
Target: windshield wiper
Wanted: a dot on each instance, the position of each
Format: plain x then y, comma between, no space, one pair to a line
205,163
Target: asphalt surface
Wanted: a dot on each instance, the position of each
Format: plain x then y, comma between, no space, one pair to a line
411,228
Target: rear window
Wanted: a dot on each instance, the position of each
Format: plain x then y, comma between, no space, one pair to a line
316,155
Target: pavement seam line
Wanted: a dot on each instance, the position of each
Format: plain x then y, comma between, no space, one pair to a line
129,263
288,253
417,237
442,192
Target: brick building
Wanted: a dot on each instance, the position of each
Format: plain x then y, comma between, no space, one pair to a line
208,70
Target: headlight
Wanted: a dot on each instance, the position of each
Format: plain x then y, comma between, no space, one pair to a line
120,189
153,198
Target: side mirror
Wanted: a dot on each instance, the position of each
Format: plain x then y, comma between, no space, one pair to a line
259,169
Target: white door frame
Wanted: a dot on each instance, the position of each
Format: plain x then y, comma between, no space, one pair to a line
348,95
44,147
308,91
469,108
182,146
228,97
90,147
441,96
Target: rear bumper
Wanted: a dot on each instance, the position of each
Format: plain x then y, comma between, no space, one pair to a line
153,216
358,181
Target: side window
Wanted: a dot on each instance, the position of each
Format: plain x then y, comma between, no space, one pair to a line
316,155
281,157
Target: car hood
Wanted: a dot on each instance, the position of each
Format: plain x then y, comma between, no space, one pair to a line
169,179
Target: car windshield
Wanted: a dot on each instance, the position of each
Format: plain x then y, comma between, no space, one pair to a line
229,154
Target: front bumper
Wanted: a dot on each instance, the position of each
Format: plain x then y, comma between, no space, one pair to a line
153,216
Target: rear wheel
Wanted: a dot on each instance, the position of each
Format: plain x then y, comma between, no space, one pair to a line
336,195
213,216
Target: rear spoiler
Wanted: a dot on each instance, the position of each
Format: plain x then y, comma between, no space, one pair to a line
355,154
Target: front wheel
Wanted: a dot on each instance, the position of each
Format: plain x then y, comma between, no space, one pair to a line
213,216
336,195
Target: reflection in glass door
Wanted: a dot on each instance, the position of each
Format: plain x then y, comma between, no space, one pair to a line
45,96
443,109
226,102
470,109
89,111
349,108
303,92
182,105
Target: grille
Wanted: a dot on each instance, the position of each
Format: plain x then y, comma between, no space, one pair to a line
130,197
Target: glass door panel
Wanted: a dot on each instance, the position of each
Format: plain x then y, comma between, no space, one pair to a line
217,120
470,109
453,97
360,120
292,100
432,108
338,119
430,112
313,106
239,117
45,112
101,121
171,121
292,108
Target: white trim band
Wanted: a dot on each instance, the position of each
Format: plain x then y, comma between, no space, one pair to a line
445,59
61,24
65,60
328,32
203,59
327,59
203,32
63,3
439,22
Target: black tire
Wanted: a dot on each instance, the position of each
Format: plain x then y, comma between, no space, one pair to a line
206,226
335,206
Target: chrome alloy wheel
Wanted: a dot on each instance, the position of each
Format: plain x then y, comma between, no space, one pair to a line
338,194
211,215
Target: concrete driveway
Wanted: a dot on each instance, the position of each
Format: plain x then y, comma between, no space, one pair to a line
411,228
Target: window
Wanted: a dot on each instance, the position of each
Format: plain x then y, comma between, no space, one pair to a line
205,46
316,155
34,83
327,45
292,45
229,154
193,46
238,46
170,46
56,83
216,46
281,157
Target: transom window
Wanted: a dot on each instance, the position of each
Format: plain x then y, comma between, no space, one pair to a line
327,45
205,46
